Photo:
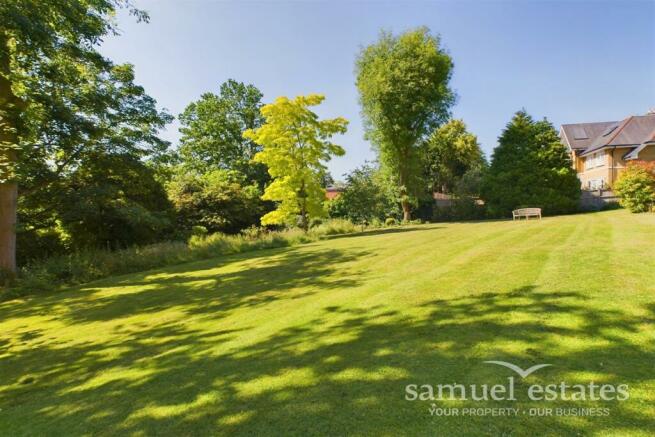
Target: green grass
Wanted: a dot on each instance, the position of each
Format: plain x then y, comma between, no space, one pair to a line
322,338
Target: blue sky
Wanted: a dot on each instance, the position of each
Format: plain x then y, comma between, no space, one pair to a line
567,61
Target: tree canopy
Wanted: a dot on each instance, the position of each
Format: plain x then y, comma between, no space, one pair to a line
366,197
219,200
212,131
450,152
295,146
403,84
62,104
530,168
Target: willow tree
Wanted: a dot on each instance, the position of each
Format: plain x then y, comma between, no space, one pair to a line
295,146
404,94
60,99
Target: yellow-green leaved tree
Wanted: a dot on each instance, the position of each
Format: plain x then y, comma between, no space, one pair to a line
295,146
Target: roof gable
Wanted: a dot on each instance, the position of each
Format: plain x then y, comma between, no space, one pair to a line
591,130
632,131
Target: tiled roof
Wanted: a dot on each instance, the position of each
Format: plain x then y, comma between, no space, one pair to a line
579,136
632,131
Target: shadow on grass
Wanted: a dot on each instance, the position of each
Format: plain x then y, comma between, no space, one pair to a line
204,289
385,231
343,371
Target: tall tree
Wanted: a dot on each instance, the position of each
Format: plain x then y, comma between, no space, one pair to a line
450,152
530,168
296,144
212,131
404,94
60,99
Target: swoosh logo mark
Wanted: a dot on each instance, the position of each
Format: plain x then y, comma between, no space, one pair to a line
517,369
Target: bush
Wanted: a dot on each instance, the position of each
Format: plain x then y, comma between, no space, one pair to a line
465,208
89,265
636,187
334,227
199,231
390,221
220,201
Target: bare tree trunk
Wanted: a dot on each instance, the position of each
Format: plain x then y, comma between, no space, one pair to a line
407,214
404,196
8,142
8,198
304,221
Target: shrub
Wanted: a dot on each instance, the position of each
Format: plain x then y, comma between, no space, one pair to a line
199,231
334,227
89,265
390,221
220,201
636,187
465,208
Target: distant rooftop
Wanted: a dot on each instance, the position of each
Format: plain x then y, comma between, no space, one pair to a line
589,137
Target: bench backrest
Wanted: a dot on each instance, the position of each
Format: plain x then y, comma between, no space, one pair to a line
528,211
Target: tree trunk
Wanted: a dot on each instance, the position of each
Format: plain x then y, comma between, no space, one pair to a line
9,104
407,216
404,196
8,198
304,221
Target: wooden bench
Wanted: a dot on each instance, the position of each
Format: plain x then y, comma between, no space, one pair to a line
527,213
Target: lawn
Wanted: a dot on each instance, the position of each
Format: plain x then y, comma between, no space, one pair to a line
323,338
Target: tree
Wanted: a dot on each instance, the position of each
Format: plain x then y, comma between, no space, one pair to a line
636,186
220,201
113,209
530,168
327,180
404,94
295,146
366,197
212,131
59,98
450,152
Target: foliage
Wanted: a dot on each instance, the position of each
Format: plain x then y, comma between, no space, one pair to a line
334,227
366,196
390,221
450,152
106,201
404,94
212,132
219,201
295,146
636,186
530,168
113,201
91,264
464,204
327,180
63,105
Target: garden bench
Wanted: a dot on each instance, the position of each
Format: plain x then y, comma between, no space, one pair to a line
526,212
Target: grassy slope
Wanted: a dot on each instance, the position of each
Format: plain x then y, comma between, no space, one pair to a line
323,338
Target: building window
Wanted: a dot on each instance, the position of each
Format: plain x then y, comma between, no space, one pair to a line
596,184
594,160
